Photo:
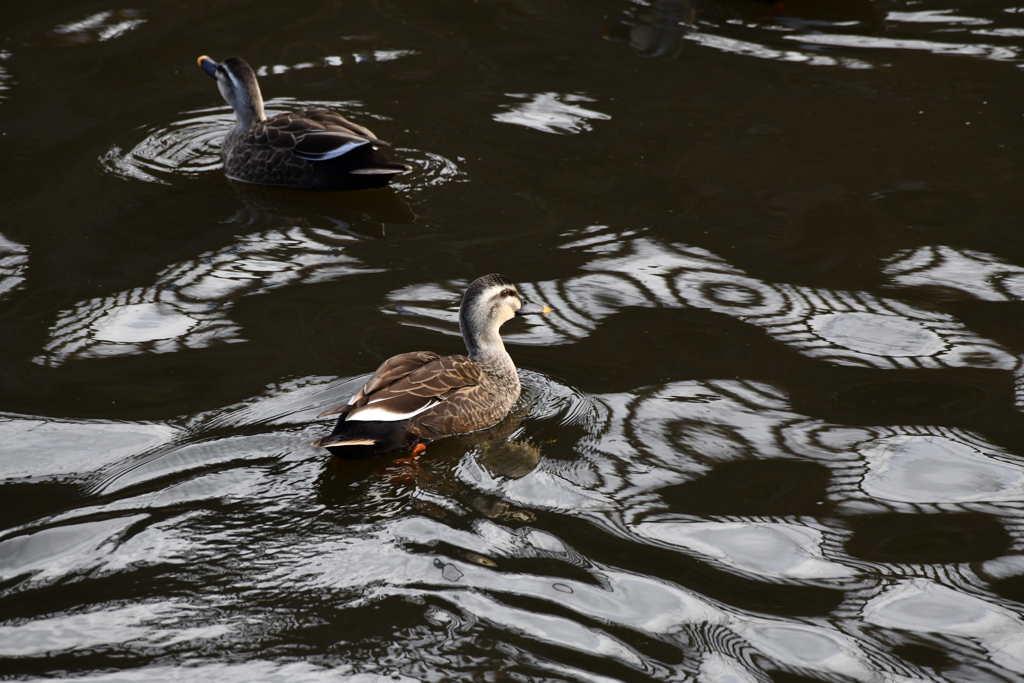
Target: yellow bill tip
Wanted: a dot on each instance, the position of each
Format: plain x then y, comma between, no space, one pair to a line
546,310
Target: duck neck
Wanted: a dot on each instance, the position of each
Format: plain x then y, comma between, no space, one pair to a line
246,116
245,98
248,113
488,350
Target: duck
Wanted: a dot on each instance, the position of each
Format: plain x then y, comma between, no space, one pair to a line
311,149
416,398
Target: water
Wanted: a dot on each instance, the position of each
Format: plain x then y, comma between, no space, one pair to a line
772,430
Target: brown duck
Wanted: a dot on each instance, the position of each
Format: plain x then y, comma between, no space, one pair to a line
418,397
312,149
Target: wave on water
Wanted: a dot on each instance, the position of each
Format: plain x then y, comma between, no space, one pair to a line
584,534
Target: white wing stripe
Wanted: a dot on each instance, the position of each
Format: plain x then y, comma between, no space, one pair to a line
336,152
382,414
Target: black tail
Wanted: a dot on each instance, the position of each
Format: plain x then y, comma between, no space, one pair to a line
356,440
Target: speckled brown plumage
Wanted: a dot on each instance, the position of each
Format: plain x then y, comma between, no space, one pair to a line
419,397
313,149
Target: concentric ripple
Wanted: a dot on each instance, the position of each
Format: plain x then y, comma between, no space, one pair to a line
188,147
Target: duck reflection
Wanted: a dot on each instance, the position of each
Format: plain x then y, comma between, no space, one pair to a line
373,208
655,29
495,453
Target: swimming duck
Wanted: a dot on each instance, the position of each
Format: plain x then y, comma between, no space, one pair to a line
313,149
418,397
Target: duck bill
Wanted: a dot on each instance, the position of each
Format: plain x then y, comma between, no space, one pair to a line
533,309
208,65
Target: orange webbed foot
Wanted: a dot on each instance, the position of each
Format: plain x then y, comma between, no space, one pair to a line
407,470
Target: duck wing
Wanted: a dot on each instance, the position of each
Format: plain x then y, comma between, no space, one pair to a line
415,392
407,384
330,135
324,145
336,123
312,134
313,149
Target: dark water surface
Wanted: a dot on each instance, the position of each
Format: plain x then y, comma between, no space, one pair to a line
772,431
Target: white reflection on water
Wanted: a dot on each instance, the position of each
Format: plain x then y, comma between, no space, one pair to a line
100,27
982,276
13,262
5,78
976,274
551,112
62,550
768,549
142,323
848,328
939,466
752,49
188,305
994,52
37,448
145,623
919,606
253,670
942,16
658,28
239,501
336,60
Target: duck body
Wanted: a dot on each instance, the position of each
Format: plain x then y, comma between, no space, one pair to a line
419,397
313,149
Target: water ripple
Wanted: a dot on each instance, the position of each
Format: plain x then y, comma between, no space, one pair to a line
99,27
797,32
188,305
188,148
497,537
13,264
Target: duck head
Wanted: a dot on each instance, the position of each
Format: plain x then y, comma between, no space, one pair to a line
237,84
491,301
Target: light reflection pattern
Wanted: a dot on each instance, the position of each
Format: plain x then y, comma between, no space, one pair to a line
188,304
469,572
13,263
797,32
5,77
100,27
551,113
841,327
976,274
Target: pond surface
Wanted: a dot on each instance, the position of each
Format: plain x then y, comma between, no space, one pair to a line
773,429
